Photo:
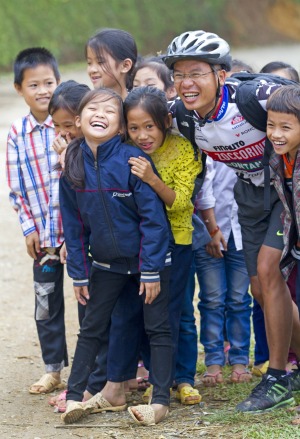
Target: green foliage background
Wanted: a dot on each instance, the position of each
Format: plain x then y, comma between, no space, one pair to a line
64,26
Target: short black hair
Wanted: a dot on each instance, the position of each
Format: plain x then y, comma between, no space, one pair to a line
31,58
285,99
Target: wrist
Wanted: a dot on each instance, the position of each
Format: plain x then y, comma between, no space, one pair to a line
214,231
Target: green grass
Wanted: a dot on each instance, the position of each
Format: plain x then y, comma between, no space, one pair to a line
224,422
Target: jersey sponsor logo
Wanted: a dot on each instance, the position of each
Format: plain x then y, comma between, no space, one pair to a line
237,119
121,194
240,156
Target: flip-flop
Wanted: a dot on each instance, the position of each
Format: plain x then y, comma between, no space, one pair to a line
55,399
98,404
215,377
239,374
148,414
185,393
48,382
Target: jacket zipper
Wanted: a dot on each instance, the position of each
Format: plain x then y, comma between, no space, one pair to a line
107,215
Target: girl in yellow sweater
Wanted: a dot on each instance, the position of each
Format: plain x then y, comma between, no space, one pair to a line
148,126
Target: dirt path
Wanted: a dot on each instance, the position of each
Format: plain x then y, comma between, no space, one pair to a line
27,416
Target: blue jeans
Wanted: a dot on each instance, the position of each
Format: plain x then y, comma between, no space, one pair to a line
224,284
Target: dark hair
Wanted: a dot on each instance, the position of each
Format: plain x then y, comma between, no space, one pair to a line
31,58
74,168
273,66
285,99
153,101
162,71
118,43
240,66
67,96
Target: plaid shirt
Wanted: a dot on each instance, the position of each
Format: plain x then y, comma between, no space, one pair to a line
33,182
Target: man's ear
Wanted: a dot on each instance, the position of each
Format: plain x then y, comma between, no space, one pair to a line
126,65
222,76
18,89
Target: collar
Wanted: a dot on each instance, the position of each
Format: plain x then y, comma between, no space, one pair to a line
105,149
33,123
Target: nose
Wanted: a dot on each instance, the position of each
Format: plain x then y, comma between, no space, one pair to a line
142,135
42,89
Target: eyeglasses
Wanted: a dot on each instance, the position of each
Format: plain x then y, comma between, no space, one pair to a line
195,76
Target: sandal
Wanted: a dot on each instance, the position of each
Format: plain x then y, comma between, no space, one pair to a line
187,392
148,414
259,371
75,411
147,395
48,382
217,378
236,375
98,404
59,402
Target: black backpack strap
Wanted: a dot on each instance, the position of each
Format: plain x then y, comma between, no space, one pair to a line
267,179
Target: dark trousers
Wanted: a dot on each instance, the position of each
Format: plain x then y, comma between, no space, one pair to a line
105,289
181,261
48,275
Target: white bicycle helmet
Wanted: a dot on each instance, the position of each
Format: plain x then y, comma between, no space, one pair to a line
201,45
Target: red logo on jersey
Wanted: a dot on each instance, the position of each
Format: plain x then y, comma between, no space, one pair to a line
237,119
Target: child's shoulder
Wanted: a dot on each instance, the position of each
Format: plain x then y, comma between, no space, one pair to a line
131,150
179,141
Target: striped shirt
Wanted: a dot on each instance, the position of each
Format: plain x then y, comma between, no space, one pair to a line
33,182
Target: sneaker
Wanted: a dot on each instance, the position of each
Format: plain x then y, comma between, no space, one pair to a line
294,379
268,395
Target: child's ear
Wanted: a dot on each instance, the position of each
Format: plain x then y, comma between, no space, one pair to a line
171,92
77,122
126,65
169,121
18,89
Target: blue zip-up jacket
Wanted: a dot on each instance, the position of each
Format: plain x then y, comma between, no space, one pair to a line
117,218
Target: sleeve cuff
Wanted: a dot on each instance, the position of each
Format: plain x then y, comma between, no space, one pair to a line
150,277
80,283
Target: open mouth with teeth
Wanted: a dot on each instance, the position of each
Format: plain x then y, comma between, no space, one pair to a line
100,125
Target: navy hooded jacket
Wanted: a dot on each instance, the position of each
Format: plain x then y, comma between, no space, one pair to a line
117,218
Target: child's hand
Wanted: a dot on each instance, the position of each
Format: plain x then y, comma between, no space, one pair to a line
141,167
60,144
33,244
213,248
63,254
152,290
81,294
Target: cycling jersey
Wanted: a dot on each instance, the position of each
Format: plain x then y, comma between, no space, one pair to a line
229,138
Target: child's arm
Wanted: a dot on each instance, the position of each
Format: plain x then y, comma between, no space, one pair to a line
142,168
76,237
183,170
205,202
155,236
18,191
